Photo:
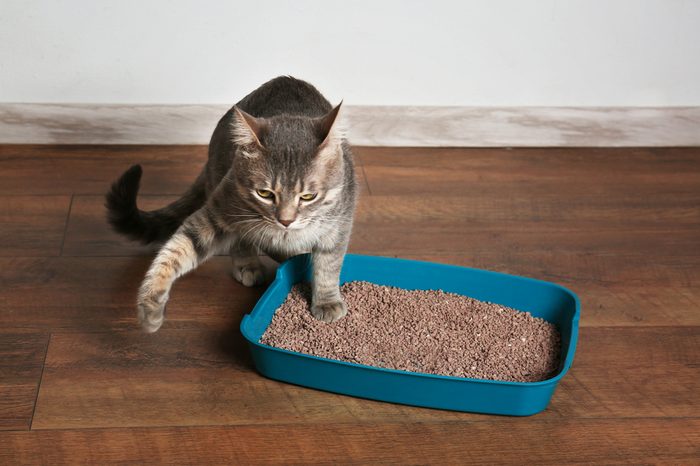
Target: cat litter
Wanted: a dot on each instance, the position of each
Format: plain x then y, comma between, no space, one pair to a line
425,331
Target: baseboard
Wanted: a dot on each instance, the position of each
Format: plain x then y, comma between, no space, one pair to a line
367,125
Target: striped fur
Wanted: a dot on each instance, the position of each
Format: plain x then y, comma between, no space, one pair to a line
282,140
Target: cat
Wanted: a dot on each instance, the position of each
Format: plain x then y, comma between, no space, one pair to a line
279,180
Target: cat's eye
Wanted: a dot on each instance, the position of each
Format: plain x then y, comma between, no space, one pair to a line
265,193
308,196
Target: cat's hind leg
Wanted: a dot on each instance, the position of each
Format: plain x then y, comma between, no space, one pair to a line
247,267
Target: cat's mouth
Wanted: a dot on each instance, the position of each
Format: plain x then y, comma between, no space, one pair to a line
291,227
287,229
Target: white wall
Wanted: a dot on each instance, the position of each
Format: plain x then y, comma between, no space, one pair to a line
370,52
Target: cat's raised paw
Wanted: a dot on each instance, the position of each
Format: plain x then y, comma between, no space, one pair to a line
151,315
329,312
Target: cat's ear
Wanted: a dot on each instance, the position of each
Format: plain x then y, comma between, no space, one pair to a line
247,129
328,127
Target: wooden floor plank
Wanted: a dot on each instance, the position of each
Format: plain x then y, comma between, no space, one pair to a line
99,293
630,269
195,377
32,225
21,362
80,169
183,377
431,238
89,234
457,171
499,441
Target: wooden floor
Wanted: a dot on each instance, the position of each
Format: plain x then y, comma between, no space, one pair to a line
80,384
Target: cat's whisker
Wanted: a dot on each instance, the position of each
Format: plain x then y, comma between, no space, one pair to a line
249,231
261,236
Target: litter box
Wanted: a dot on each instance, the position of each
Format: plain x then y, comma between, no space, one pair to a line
549,301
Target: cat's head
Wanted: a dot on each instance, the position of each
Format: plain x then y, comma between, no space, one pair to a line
289,169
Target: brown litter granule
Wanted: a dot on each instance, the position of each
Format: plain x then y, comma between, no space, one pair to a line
421,331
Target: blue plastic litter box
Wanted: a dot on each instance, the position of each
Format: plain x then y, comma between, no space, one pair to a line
549,301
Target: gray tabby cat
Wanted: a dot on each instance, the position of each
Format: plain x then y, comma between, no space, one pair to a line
279,180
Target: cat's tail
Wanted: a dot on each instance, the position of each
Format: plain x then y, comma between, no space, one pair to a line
154,226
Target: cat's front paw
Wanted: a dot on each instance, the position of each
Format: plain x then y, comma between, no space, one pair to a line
329,312
250,274
151,313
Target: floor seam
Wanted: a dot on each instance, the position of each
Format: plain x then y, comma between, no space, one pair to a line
41,379
65,227
364,174
496,420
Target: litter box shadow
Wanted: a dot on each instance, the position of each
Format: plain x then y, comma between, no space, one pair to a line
230,342
232,345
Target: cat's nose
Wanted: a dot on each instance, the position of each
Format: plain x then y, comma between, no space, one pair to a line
286,223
